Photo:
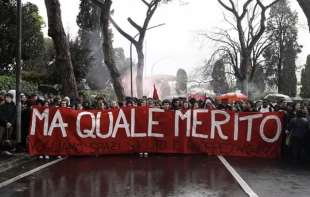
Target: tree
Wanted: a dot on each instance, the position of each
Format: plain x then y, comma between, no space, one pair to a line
81,60
305,80
258,85
90,37
33,42
165,89
88,20
151,8
182,79
107,46
219,82
305,6
62,48
249,25
281,54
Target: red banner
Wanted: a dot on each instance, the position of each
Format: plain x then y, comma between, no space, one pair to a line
63,131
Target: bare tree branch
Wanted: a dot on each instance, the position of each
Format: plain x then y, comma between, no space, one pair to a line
135,25
226,6
121,31
146,3
245,8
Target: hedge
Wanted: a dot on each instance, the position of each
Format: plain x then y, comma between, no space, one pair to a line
9,82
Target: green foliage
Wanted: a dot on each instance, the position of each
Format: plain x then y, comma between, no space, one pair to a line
8,83
305,80
34,77
281,55
219,81
90,38
81,59
88,17
33,42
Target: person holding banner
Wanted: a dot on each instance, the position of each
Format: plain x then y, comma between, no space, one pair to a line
298,130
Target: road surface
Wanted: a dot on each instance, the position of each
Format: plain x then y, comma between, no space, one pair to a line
161,175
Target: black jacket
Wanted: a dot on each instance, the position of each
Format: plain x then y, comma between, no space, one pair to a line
7,114
299,127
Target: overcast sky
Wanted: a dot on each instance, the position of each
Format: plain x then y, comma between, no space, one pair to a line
176,44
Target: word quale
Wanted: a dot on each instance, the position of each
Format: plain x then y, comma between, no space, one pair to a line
125,122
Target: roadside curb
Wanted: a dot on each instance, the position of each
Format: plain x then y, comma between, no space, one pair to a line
15,161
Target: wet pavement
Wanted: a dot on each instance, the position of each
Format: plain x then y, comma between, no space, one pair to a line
161,175
274,178
129,176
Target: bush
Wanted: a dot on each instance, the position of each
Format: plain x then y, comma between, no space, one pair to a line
9,82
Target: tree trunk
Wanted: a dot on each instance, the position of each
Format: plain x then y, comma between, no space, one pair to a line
245,87
305,6
63,56
108,50
140,69
244,71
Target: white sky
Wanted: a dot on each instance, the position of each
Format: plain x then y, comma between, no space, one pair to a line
177,44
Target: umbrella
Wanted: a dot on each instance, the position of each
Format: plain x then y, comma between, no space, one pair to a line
232,97
278,97
200,94
48,89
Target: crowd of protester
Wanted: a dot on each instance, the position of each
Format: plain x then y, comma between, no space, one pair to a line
296,143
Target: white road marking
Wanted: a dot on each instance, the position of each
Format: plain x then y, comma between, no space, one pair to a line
12,180
238,178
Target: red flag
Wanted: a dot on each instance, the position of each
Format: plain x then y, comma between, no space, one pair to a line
155,93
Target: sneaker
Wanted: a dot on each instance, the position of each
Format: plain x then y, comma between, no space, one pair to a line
59,157
141,154
47,157
41,157
146,154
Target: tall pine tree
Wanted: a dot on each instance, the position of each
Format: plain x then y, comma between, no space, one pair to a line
219,82
281,55
305,80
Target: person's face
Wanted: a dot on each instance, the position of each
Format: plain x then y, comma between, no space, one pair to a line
265,104
186,105
63,104
151,103
79,106
283,104
114,104
166,106
23,98
1,98
8,99
103,105
143,103
46,104
196,106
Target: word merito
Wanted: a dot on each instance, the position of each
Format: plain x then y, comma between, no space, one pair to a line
200,123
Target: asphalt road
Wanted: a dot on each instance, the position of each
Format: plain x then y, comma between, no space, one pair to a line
161,175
